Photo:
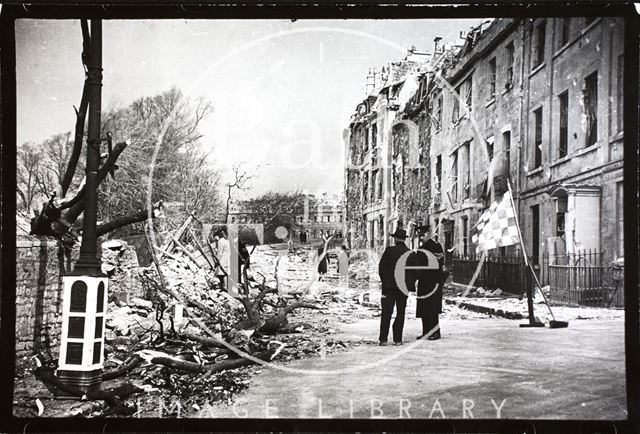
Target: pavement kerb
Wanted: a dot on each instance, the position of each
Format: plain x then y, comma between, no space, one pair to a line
486,310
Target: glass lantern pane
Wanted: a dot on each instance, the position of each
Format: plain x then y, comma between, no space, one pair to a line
78,302
100,301
76,327
98,333
74,353
97,350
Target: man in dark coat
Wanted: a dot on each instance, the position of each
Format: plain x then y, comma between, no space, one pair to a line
430,283
392,295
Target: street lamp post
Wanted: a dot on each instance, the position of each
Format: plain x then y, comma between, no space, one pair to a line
85,288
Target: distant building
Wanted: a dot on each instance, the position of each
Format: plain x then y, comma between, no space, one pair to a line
540,101
318,216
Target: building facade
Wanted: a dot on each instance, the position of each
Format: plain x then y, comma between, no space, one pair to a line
369,152
534,105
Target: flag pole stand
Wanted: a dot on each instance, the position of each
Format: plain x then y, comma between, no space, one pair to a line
532,320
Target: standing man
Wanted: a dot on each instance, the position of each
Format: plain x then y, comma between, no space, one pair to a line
223,253
430,282
391,293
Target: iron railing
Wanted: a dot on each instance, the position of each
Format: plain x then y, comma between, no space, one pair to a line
579,279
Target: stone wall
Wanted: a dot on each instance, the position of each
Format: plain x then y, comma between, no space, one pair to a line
39,288
38,296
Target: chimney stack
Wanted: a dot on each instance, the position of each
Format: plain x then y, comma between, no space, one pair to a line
371,77
437,48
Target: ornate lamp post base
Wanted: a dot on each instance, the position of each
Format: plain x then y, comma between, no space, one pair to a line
84,307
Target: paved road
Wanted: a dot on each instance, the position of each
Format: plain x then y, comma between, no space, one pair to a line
478,367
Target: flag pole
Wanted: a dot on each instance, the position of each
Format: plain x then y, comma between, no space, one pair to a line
553,323
532,320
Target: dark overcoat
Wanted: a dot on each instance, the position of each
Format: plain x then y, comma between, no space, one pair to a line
429,280
387,267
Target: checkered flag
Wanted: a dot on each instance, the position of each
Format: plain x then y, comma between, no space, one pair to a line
497,226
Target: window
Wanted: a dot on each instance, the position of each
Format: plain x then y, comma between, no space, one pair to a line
560,224
590,99
365,133
468,94
506,145
455,113
437,116
565,31
465,236
619,218
466,180
510,61
490,147
438,171
492,78
454,178
535,234
540,41
563,139
381,236
371,234
379,175
374,135
620,94
537,140
365,187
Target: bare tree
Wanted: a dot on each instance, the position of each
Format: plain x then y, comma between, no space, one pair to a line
168,122
29,157
240,180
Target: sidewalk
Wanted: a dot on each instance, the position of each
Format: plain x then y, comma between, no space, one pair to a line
511,307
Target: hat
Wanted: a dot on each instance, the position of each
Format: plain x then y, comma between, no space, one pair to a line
423,229
400,233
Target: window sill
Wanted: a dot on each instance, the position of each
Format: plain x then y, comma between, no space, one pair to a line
560,161
507,89
491,101
583,151
536,69
535,171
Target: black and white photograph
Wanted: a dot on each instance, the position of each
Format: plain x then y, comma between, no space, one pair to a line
417,218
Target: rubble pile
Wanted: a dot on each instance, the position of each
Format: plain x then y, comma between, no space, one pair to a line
120,264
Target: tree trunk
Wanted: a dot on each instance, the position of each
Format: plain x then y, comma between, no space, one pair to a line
119,222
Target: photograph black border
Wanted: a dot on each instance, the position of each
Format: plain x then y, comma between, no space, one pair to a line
292,9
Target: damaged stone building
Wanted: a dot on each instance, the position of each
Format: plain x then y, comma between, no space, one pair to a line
531,103
373,149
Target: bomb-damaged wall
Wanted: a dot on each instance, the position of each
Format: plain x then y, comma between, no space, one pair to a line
410,169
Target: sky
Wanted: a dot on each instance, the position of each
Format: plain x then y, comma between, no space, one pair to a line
282,92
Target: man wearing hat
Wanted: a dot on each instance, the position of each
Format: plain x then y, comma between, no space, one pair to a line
392,295
430,282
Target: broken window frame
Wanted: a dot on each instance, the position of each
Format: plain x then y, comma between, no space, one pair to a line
565,31
563,124
455,111
620,94
506,146
453,176
540,34
468,95
492,78
510,61
590,105
490,142
537,138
